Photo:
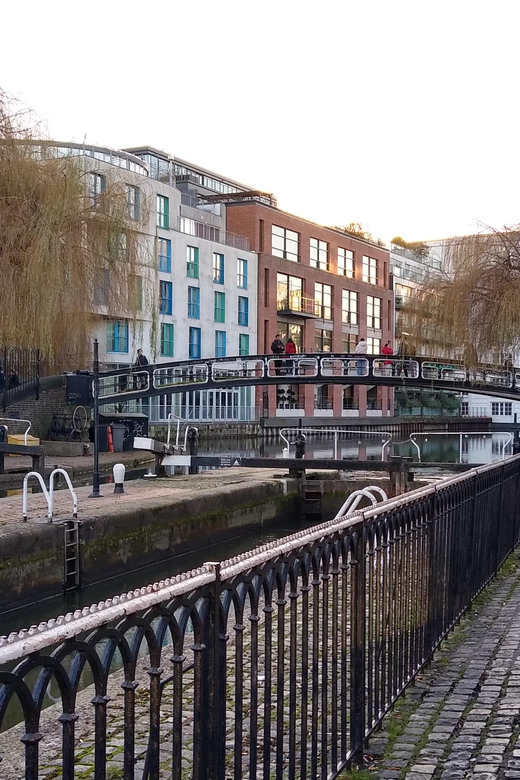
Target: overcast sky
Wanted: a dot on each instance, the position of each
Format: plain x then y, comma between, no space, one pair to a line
399,114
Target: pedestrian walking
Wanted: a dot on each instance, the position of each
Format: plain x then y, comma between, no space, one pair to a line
278,348
361,349
403,352
13,380
141,381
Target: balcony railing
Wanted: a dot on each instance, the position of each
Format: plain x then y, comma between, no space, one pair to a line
212,233
298,304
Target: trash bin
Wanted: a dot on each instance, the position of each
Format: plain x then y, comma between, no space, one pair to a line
118,435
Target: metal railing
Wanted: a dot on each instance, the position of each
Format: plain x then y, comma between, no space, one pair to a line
19,372
211,233
278,663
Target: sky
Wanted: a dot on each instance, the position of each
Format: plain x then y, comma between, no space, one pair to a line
398,114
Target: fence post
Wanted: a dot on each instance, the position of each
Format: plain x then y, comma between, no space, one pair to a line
357,644
216,722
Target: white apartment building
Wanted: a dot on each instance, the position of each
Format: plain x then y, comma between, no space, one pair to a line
196,283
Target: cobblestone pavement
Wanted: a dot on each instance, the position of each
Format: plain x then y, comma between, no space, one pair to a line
462,718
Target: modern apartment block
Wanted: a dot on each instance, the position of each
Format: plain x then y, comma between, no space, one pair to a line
325,289
196,283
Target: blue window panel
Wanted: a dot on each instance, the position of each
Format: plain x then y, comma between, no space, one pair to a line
166,297
218,268
243,344
117,336
194,303
220,343
220,307
167,339
192,262
163,212
242,273
243,310
194,343
164,254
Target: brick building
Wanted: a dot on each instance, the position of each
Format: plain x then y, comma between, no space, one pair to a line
324,288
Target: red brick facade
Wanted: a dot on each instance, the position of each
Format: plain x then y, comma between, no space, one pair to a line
255,220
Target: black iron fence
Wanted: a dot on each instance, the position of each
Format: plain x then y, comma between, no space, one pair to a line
278,663
19,372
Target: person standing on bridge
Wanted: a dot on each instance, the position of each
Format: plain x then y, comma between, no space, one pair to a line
290,349
141,381
361,349
387,350
278,348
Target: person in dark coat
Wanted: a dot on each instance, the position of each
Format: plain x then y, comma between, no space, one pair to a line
141,381
278,348
13,379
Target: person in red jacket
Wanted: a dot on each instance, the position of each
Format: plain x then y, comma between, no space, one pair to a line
290,349
387,350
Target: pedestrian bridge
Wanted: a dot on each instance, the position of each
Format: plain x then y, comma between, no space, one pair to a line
246,371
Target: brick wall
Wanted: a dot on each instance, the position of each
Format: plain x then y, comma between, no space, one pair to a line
39,412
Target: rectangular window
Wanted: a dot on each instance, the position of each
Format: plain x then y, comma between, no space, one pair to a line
243,344
194,343
285,243
96,188
348,342
166,297
502,408
187,225
220,307
373,312
323,297
243,310
323,340
218,268
319,252
242,273
194,303
164,254
289,293
220,343
167,339
102,287
192,262
163,212
345,262
132,201
117,336
349,307
373,346
135,292
369,270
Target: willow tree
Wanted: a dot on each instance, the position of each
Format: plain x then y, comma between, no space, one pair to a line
58,247
471,307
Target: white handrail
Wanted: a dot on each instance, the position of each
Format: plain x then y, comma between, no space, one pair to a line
508,438
71,491
350,505
336,432
17,419
44,491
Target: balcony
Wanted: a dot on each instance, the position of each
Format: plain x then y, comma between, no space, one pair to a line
211,233
296,304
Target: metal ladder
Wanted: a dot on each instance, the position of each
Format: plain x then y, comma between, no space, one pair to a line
71,567
311,500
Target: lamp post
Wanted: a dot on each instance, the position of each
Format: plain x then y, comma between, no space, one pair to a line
95,475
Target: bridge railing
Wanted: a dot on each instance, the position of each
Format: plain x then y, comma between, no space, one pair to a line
278,663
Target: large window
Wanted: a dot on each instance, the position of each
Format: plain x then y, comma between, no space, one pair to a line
194,343
369,269
132,201
349,307
319,252
323,340
373,346
117,336
164,254
96,188
323,296
243,310
194,303
220,343
166,297
243,344
220,307
242,273
373,312
502,408
163,212
345,262
167,339
289,292
192,262
218,267
348,342
285,243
